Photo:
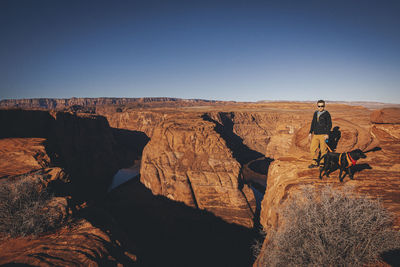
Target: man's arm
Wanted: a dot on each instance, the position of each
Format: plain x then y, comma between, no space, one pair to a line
314,120
312,126
329,123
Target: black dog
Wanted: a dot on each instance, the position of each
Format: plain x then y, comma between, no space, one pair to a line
343,161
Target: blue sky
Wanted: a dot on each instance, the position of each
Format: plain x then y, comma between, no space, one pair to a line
222,50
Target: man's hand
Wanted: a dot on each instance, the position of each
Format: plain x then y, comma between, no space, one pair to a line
326,137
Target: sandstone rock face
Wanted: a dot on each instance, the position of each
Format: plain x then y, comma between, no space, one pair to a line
186,160
142,121
378,175
70,154
386,115
22,155
204,156
82,144
80,245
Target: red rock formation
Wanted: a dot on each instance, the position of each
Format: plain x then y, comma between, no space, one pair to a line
386,115
187,160
85,149
378,175
143,121
202,155
82,144
80,245
22,155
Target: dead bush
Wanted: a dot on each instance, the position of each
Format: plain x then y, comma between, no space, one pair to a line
24,208
330,227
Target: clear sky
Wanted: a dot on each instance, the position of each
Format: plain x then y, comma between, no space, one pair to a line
222,50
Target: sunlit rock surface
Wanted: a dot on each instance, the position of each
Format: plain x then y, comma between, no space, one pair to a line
80,245
187,160
377,176
204,156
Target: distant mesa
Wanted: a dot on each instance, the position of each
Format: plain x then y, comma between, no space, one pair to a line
67,103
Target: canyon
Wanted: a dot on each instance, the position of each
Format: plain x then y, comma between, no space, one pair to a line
203,167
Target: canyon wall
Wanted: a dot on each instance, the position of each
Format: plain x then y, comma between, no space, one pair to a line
178,161
82,145
75,156
207,157
142,121
187,160
377,176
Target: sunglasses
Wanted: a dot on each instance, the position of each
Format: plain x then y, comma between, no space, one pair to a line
321,106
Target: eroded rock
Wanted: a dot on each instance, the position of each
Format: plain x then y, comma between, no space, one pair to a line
81,245
377,176
187,160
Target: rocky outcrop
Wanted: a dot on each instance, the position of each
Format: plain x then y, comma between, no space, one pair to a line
267,132
142,121
207,157
386,116
187,160
377,176
83,145
80,245
22,155
75,157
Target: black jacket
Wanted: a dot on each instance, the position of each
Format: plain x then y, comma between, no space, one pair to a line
322,125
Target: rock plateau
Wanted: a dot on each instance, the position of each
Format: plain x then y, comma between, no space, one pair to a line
214,158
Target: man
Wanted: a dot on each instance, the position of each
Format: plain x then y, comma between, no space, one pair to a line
319,133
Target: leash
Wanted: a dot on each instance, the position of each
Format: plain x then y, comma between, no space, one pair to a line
329,148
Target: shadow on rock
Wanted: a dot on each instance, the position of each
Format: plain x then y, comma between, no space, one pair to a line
361,167
163,232
129,145
261,165
334,137
242,153
392,257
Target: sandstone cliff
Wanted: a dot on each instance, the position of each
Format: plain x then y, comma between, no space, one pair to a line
377,176
83,145
208,157
75,156
187,160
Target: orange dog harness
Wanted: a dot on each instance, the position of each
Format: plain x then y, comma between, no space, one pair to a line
350,160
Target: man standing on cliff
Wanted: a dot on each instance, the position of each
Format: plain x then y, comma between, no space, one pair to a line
319,133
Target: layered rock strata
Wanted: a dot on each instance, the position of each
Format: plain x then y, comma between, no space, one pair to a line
142,121
187,160
377,176
83,145
80,245
74,157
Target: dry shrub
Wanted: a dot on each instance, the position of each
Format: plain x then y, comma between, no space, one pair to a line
330,228
24,208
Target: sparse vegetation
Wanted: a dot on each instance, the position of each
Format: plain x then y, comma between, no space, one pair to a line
330,227
24,208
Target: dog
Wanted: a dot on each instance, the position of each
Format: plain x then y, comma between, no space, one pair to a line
343,161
